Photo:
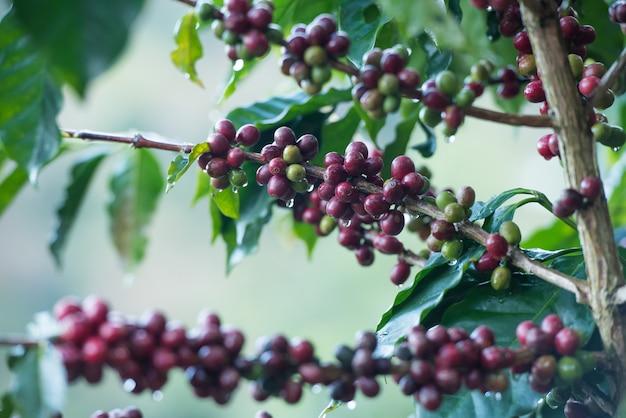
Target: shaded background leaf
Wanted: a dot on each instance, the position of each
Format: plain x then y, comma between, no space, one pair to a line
135,190
188,47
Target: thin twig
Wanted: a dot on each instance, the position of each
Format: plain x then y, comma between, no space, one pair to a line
191,3
14,340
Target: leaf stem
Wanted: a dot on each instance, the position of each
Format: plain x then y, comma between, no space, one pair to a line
13,340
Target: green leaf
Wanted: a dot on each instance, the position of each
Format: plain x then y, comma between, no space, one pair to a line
434,60
518,399
361,19
203,187
556,236
237,73
11,186
415,17
216,220
427,291
188,47
7,406
337,135
332,406
278,110
428,147
80,179
181,163
29,100
289,12
227,201
81,38
398,144
39,383
481,210
612,39
135,191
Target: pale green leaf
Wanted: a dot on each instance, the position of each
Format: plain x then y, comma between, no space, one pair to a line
188,47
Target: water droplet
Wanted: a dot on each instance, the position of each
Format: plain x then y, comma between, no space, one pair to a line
346,223
235,189
157,396
501,300
317,388
244,184
238,65
450,139
129,385
310,187
497,396
488,394
453,262
290,203
351,404
616,149
400,286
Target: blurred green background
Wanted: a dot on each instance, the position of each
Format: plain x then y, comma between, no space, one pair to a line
326,299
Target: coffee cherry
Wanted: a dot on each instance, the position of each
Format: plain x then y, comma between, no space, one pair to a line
442,230
590,187
500,278
496,245
569,369
486,263
522,329
454,212
444,198
534,93
401,166
451,250
392,222
447,83
511,232
566,342
539,341
248,135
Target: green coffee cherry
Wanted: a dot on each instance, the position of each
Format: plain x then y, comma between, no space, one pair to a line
511,232
292,154
569,369
237,177
444,198
430,117
296,172
451,250
454,212
447,83
500,278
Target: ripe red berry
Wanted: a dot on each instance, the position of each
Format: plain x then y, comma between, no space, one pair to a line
496,245
566,342
590,187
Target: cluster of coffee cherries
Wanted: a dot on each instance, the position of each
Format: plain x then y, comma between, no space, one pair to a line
508,13
382,77
559,361
246,29
571,199
225,156
284,172
428,364
309,51
444,99
128,412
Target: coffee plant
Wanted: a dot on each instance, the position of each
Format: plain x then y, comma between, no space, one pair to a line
489,319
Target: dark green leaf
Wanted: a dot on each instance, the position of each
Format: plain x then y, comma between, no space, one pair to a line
610,38
181,163
237,73
216,220
278,110
481,210
518,399
428,147
337,135
203,187
82,38
39,381
227,201
29,100
188,47
11,186
361,19
80,180
7,406
398,144
435,59
616,193
455,8
427,291
372,126
135,191
493,23
415,17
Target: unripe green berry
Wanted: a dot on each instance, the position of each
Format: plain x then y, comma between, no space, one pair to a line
205,12
604,100
310,88
315,55
464,98
511,232
417,224
500,278
616,138
296,172
320,74
388,84
434,244
237,177
576,65
454,212
391,103
274,33
569,369
402,50
244,53
586,359
601,132
230,38
218,28
479,72
430,117
292,154
300,186
444,198
451,250
447,83
527,65
327,224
